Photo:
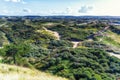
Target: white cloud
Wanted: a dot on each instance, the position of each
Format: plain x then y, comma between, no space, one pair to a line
85,9
16,1
27,10
13,0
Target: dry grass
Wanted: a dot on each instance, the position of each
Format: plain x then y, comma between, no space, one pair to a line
10,72
49,32
114,36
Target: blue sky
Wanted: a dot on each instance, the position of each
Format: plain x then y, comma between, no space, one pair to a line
60,7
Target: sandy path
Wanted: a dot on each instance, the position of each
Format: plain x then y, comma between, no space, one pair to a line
116,55
75,44
56,34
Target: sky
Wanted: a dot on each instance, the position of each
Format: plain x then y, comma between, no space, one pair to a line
60,7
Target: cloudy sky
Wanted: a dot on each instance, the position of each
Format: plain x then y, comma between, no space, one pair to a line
60,7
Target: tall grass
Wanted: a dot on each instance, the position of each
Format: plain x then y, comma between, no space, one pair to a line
10,72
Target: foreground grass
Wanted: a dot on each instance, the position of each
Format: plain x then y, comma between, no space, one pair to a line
10,72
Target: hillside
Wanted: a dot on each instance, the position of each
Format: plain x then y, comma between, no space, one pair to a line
74,48
11,72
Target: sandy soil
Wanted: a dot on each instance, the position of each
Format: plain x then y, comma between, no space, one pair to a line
56,34
116,55
75,44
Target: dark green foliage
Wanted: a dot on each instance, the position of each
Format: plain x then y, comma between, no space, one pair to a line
14,53
30,48
71,33
88,64
59,43
115,29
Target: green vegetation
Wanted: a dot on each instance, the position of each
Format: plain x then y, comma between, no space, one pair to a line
33,43
13,54
82,64
111,41
71,33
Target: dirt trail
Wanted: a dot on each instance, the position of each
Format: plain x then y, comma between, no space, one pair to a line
75,44
56,34
115,55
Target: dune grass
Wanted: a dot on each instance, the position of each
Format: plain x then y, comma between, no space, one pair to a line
114,36
11,72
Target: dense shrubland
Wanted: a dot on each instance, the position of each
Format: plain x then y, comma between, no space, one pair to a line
74,64
31,46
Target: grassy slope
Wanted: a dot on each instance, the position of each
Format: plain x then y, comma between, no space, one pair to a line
3,39
10,72
111,39
114,36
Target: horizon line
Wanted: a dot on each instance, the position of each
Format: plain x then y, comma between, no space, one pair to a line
63,15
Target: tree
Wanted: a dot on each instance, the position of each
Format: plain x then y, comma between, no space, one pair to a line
16,51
